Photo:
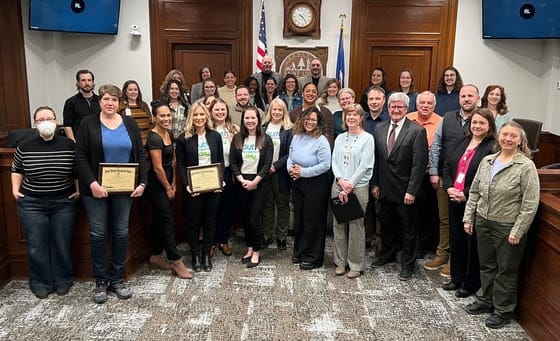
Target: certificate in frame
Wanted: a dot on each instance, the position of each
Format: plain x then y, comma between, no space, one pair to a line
203,179
118,178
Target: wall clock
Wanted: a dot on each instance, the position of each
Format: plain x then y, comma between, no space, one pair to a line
302,18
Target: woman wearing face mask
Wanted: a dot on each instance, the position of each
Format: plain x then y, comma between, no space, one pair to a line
45,187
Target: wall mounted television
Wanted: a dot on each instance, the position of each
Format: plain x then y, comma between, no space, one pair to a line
520,19
83,16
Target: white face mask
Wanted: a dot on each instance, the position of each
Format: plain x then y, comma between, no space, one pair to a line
46,128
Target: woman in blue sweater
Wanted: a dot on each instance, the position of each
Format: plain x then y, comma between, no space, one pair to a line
308,163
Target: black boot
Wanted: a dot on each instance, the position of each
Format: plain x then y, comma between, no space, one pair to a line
206,260
196,261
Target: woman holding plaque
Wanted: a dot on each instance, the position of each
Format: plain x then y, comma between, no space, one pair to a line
227,129
250,159
112,138
352,166
161,190
200,145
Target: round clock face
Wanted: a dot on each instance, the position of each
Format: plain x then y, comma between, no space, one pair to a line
302,16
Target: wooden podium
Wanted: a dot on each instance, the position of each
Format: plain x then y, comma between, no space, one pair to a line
539,292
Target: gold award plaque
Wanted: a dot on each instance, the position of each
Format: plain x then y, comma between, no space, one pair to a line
118,178
205,178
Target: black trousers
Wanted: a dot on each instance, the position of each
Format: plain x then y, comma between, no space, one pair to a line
399,221
428,218
465,268
310,196
226,207
251,204
161,229
202,211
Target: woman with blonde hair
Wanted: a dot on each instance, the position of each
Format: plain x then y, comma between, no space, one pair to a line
199,145
278,126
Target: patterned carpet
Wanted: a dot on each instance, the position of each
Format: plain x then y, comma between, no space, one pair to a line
275,301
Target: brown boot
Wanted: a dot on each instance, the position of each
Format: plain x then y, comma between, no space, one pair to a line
179,269
157,261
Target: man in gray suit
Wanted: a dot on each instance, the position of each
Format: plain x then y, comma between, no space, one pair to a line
315,76
401,157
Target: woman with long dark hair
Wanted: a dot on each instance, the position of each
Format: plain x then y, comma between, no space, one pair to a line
250,159
131,104
458,173
174,98
308,163
161,190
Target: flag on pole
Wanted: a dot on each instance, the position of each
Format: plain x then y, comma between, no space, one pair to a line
261,45
340,70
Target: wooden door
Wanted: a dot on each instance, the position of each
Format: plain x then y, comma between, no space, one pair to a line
397,34
188,34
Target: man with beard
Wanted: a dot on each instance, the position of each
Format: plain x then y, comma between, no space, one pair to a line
242,97
82,104
267,73
315,76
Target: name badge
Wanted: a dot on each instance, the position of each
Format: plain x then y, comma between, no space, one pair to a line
128,112
461,177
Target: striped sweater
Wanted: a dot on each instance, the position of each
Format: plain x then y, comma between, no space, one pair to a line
48,166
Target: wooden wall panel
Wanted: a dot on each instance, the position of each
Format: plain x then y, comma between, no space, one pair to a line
398,34
549,150
14,103
190,33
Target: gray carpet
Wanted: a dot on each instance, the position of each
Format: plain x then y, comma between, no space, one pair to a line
275,301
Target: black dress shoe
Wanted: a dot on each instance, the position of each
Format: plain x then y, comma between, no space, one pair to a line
245,260
307,266
251,264
462,293
381,262
405,275
496,321
450,286
282,245
477,308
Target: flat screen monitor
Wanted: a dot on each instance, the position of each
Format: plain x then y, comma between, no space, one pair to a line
521,19
84,16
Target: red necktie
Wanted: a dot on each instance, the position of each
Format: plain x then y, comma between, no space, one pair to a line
391,140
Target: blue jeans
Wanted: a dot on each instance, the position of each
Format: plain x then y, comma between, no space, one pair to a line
108,214
48,223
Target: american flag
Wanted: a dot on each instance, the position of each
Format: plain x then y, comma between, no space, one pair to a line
261,45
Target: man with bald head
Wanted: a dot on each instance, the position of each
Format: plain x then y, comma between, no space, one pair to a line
315,76
265,74
453,126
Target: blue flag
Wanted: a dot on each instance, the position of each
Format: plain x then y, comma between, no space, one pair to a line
340,71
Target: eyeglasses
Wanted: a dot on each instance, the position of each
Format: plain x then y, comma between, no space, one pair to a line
396,107
41,120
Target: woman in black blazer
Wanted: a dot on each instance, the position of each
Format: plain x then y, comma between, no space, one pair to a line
278,126
108,137
250,159
200,145
458,173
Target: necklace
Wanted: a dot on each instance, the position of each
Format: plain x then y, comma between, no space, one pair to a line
348,147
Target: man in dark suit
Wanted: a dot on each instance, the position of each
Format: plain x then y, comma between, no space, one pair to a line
401,157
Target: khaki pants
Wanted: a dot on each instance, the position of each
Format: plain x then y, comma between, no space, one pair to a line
350,238
443,207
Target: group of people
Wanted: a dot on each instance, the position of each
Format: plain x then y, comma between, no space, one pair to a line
420,162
